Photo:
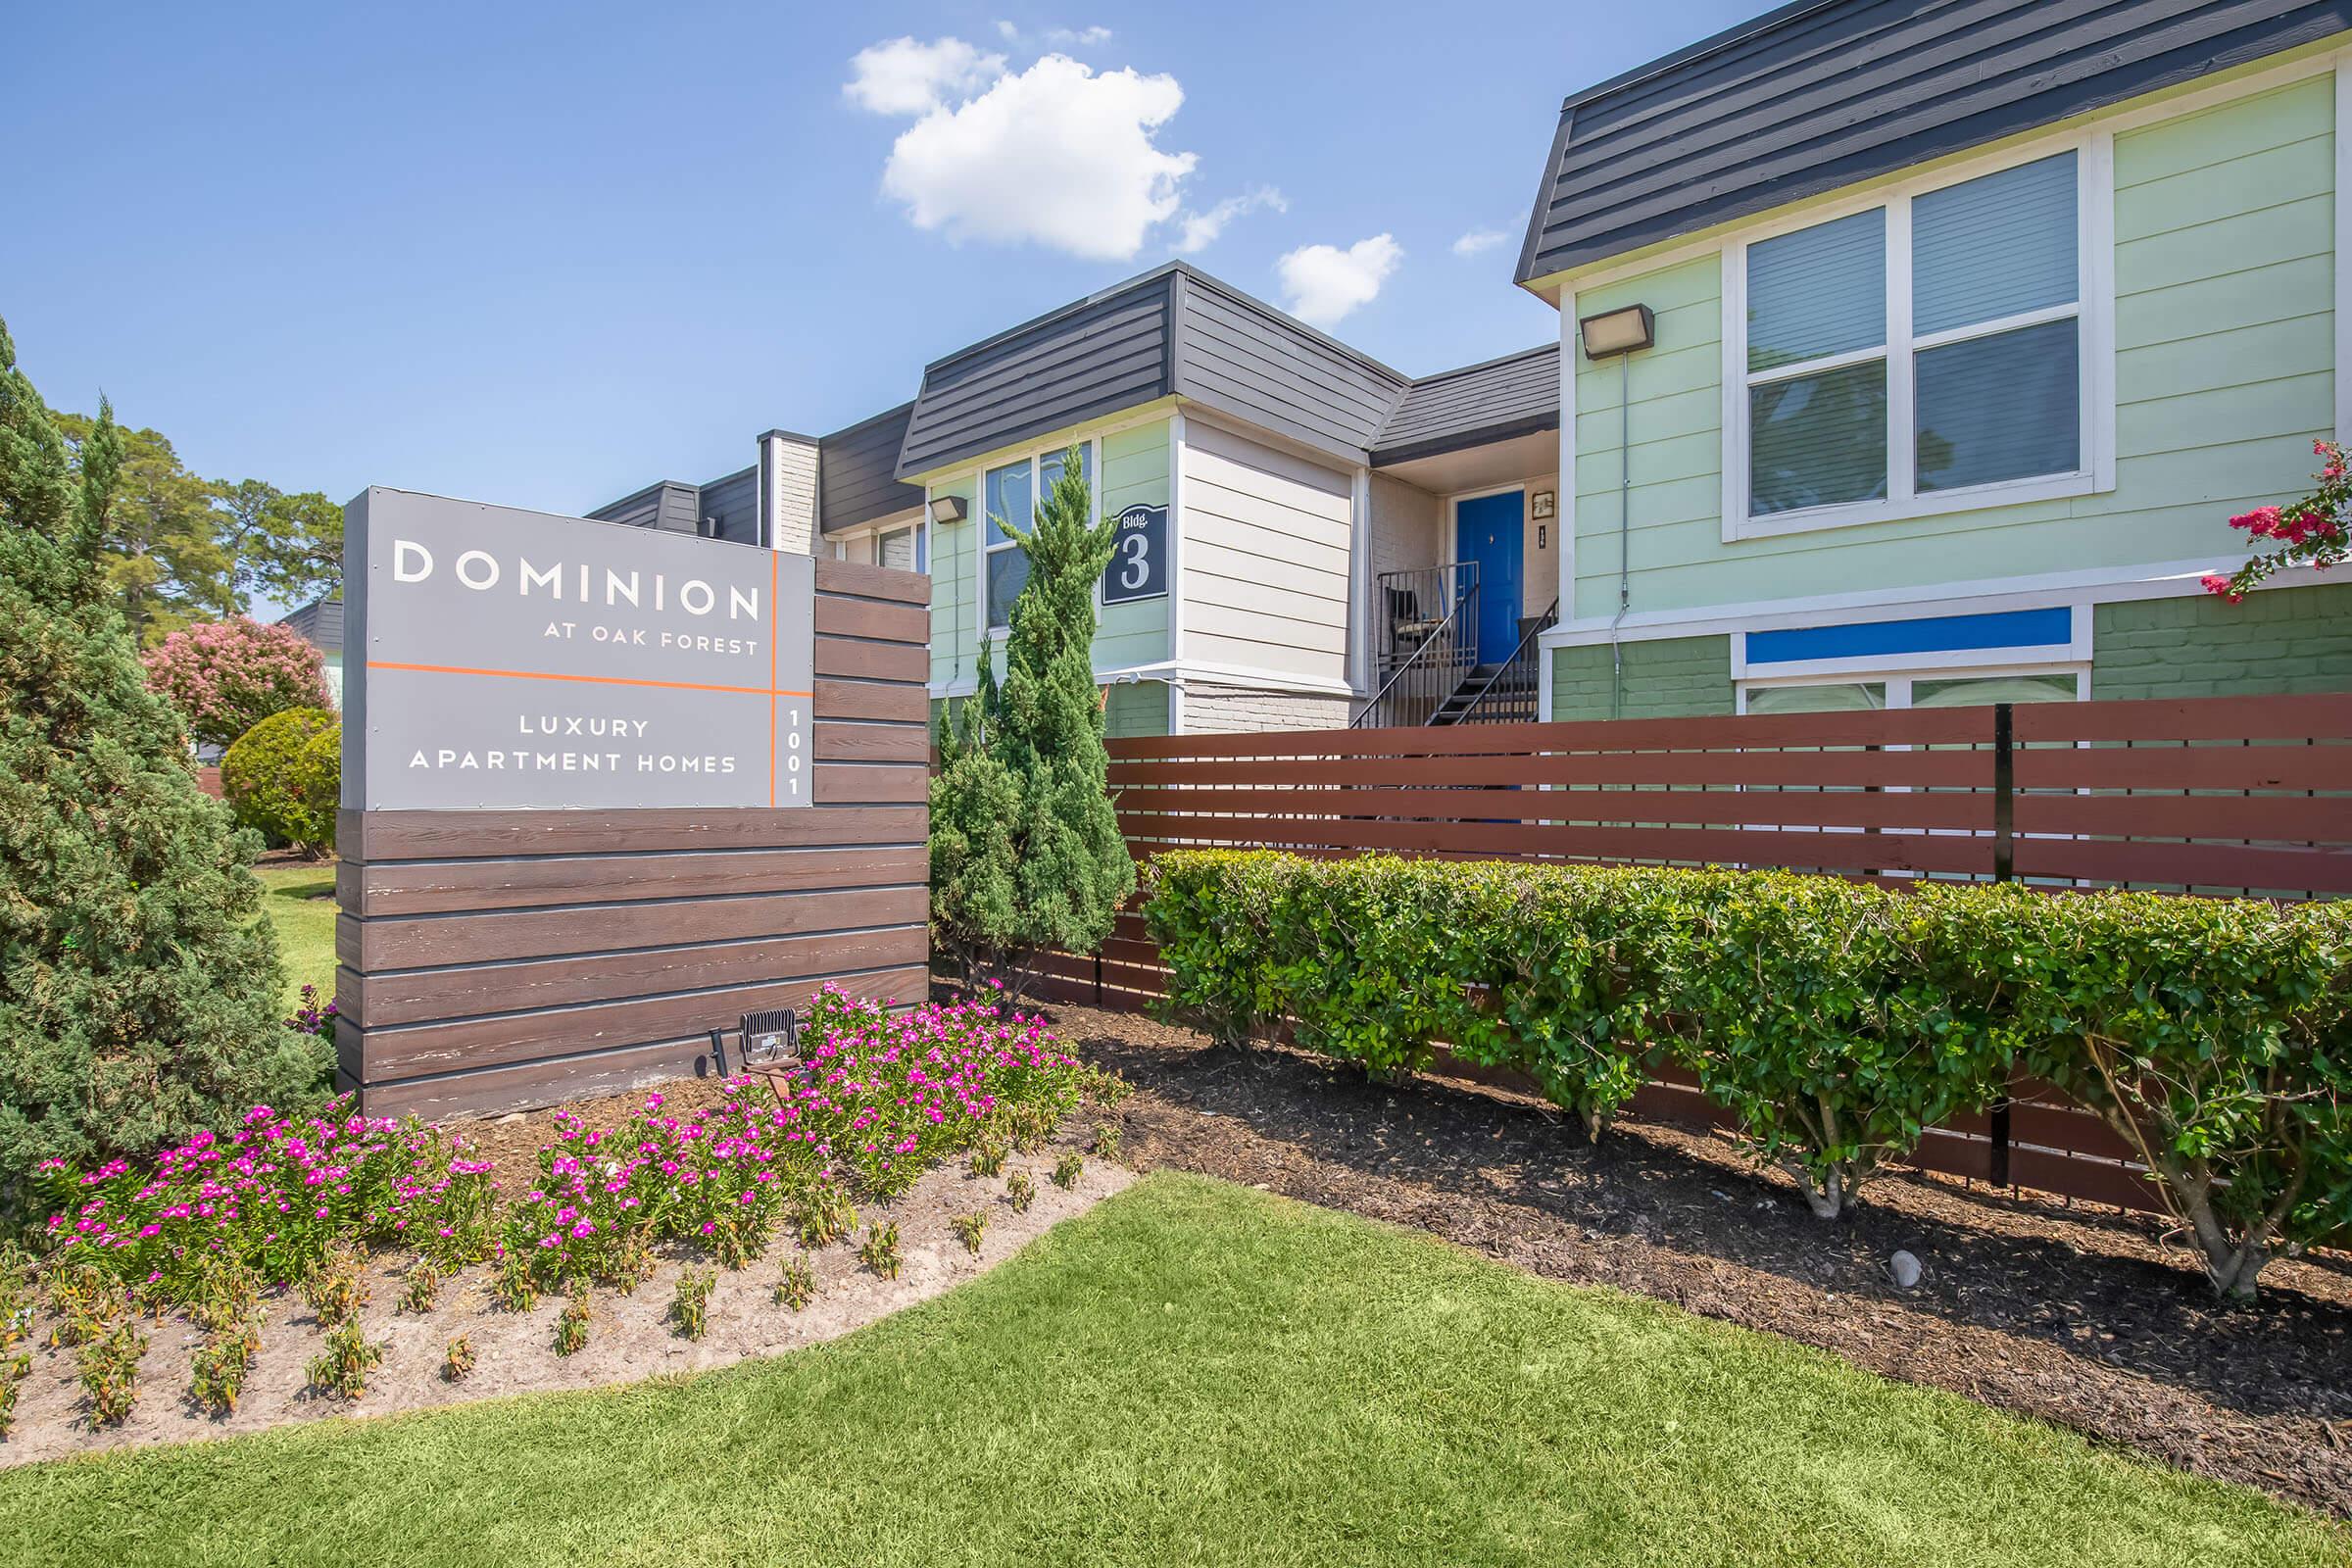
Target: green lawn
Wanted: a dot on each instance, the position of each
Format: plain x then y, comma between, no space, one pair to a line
300,900
1193,1373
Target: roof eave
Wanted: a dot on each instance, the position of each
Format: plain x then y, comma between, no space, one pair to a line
1464,440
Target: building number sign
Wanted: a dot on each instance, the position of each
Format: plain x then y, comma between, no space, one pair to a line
1138,556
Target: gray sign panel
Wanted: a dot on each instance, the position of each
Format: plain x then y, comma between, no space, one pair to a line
499,660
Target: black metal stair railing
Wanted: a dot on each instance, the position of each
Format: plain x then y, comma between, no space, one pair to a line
1513,694
1427,642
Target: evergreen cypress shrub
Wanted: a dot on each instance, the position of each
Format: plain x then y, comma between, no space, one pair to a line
138,983
283,777
1025,847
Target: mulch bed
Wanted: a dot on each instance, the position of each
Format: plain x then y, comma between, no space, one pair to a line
2076,1315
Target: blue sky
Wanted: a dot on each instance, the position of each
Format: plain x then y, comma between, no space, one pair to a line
542,255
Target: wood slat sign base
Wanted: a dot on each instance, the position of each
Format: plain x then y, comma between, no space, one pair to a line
495,959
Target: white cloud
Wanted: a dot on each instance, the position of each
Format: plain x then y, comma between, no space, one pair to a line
1059,37
1200,230
1478,240
1321,283
1055,155
904,76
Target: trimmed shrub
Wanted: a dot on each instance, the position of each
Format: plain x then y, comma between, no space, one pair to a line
1836,1021
1814,1009
283,777
1378,959
2214,1036
226,676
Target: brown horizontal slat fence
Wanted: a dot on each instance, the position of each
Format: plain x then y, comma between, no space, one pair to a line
2241,796
496,959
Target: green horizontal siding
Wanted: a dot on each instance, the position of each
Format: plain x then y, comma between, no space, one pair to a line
1135,469
1135,472
1134,709
2225,373
954,619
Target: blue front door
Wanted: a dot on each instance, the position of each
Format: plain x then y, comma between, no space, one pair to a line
1488,531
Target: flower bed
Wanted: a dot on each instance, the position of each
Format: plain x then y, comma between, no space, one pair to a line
276,1194
880,1099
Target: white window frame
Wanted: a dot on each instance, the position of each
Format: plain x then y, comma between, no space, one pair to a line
1898,681
1036,460
920,528
2093,306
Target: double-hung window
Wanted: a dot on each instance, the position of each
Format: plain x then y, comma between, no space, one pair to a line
1934,351
906,549
1012,494
1006,497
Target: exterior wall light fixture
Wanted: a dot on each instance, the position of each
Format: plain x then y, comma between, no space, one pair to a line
946,508
1618,331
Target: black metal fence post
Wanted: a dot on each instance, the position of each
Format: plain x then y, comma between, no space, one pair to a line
2004,869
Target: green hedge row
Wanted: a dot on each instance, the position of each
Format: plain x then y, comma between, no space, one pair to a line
1836,1021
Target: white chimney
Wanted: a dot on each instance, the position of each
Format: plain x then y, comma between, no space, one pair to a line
788,492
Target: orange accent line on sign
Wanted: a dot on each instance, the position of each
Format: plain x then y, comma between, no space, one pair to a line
589,680
774,601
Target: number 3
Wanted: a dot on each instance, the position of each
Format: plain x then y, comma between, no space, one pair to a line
1136,569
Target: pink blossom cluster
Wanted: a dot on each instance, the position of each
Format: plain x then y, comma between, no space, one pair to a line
720,1178
275,1194
2309,533
917,1083
226,676
2293,527
879,1099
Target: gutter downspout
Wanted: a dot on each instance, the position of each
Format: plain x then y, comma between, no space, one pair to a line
1625,532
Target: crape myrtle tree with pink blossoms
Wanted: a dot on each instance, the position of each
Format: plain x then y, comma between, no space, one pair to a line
229,675
138,983
2309,533
1026,855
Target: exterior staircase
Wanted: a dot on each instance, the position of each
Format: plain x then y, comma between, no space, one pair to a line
1476,683
1429,666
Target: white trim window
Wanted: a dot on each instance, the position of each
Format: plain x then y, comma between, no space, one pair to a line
1956,688
1939,347
1013,492
906,549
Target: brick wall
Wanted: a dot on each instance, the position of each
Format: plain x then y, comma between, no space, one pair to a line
2281,640
1670,677
1219,710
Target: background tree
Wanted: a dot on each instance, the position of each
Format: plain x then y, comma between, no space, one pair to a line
138,984
160,550
181,549
1026,845
229,675
288,548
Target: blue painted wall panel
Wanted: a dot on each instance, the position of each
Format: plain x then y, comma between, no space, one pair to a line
1931,634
